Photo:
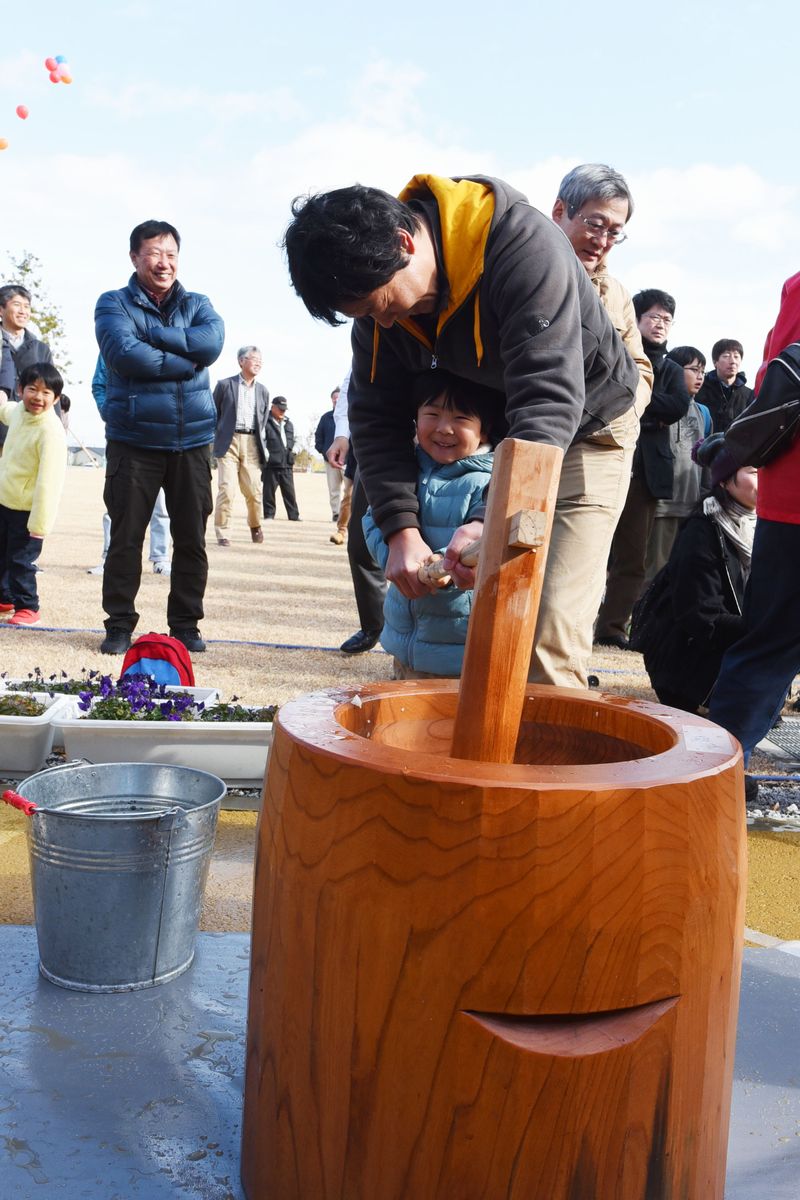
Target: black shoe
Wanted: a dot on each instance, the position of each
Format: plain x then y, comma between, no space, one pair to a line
190,638
360,642
750,790
116,641
613,639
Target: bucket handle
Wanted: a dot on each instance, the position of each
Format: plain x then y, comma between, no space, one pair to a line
17,801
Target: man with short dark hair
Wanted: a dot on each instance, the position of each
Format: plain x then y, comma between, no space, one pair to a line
652,473
157,341
466,274
19,348
242,405
724,391
277,471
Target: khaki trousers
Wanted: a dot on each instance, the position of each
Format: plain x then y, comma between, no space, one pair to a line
335,479
591,495
240,464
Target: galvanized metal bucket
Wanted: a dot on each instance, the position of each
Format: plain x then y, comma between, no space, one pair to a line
119,857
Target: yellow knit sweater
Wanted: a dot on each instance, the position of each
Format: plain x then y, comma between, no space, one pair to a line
33,465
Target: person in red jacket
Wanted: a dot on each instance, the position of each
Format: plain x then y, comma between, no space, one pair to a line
758,670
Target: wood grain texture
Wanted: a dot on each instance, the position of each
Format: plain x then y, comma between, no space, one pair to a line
506,603
488,981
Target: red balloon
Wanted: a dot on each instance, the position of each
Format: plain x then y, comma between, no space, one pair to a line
22,112
55,77
51,64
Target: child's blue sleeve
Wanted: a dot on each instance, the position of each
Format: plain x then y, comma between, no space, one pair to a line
374,539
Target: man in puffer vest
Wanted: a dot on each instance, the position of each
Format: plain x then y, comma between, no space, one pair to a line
157,341
465,274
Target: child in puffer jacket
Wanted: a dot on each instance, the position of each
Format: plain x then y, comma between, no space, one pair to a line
455,420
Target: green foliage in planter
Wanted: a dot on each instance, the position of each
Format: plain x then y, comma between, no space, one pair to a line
137,698
20,706
60,684
239,712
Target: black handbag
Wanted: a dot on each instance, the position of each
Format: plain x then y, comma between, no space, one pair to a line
650,612
768,426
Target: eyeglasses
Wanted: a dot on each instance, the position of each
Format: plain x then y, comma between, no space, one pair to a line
696,370
599,230
656,319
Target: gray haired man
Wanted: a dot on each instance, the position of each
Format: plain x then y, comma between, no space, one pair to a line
239,447
592,208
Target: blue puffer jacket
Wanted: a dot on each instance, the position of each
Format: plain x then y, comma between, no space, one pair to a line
429,634
158,394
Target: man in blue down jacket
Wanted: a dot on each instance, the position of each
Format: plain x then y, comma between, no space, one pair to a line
157,341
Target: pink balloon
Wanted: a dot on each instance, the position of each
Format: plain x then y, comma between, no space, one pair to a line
51,64
54,77
22,112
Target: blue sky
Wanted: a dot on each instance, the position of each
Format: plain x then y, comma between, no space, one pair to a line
214,116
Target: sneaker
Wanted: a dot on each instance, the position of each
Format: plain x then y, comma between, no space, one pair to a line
98,570
190,638
116,641
337,538
25,616
5,609
162,566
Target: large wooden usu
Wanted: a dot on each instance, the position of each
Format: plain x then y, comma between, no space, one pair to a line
485,978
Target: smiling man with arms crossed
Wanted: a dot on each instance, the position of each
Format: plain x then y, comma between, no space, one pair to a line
157,341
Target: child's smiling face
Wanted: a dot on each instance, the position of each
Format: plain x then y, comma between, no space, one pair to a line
445,433
37,397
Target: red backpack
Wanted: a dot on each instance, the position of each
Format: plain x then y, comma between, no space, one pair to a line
165,658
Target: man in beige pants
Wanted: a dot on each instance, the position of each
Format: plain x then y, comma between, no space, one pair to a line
242,408
593,207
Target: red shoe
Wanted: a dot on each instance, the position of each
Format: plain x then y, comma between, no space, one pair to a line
6,608
25,616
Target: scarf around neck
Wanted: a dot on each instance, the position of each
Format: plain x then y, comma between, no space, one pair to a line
738,525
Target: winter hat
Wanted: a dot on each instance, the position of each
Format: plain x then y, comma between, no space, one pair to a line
712,454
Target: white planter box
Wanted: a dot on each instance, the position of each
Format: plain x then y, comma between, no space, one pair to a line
71,710
25,742
235,751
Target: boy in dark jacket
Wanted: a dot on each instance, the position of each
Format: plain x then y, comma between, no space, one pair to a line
724,391
651,476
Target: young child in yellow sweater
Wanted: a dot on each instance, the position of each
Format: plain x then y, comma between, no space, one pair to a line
32,471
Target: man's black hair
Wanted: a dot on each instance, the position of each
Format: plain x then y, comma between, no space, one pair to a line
342,245
683,355
463,396
152,229
49,376
724,344
649,298
9,290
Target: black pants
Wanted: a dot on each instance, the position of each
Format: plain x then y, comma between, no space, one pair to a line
273,478
18,554
369,584
133,478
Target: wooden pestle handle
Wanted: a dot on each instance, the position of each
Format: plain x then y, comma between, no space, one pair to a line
433,571
506,602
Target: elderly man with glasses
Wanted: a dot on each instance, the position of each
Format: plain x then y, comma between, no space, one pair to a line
592,208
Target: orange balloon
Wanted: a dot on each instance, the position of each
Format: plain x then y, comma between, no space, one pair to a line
3,144
66,79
